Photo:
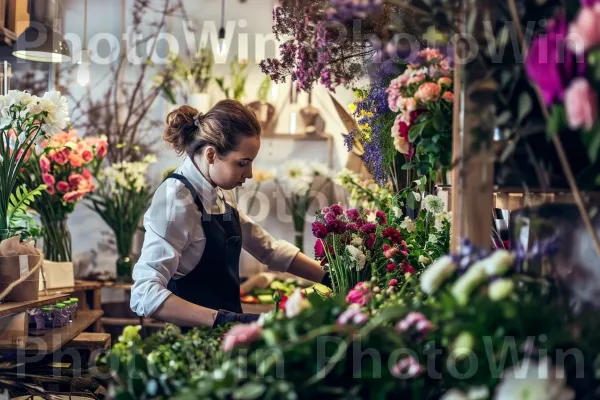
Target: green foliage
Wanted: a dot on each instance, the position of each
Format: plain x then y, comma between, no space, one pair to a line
20,201
263,90
238,77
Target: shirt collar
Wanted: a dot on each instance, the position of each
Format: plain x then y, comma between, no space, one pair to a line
209,194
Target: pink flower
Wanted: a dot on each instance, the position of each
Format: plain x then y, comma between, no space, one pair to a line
584,32
445,81
360,295
581,104
390,252
416,79
391,267
101,149
416,322
408,269
319,250
44,164
370,242
352,315
410,104
87,156
431,54
448,96
61,157
408,367
75,159
74,180
402,145
87,174
62,187
393,282
352,214
50,190
241,334
72,197
381,217
48,179
336,209
428,91
324,210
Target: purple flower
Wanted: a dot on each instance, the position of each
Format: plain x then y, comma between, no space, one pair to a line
550,64
368,228
336,226
352,214
319,229
330,217
352,227
336,209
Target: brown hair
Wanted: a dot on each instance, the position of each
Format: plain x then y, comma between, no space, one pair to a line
222,127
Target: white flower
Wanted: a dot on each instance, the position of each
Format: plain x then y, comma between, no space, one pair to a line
500,288
463,287
295,170
454,394
424,260
34,107
295,304
441,218
408,225
358,256
433,277
417,196
432,238
321,169
529,380
397,212
475,393
499,262
433,204
356,240
372,217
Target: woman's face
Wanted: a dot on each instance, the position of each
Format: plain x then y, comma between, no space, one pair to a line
232,170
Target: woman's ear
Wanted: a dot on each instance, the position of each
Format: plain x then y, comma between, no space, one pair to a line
210,154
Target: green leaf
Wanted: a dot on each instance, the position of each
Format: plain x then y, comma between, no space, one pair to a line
525,106
21,200
416,131
423,168
249,391
557,121
503,118
594,147
438,121
407,166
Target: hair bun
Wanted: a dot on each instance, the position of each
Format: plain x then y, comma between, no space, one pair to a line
182,124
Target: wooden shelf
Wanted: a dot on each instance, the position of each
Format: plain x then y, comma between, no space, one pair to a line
10,308
53,339
296,136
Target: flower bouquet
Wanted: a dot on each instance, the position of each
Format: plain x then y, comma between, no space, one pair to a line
63,166
121,199
295,184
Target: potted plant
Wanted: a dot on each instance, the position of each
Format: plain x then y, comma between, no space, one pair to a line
265,112
237,84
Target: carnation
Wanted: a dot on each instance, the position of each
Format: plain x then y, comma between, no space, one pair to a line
336,209
319,230
352,214
370,242
381,217
352,227
368,228
329,217
392,235
336,226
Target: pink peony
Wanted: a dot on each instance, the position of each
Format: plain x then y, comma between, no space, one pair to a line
584,32
72,197
360,295
44,164
428,91
87,156
581,104
62,187
48,179
448,96
61,157
74,180
241,334
329,217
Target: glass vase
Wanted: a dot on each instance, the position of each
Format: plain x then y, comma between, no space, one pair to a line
57,240
124,269
299,240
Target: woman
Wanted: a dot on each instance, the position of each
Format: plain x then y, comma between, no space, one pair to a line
188,272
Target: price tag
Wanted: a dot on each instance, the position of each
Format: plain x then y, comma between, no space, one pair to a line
24,264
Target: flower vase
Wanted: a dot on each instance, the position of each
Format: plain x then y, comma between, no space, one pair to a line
124,269
57,240
299,240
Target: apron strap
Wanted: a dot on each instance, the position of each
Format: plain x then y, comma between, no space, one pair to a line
193,191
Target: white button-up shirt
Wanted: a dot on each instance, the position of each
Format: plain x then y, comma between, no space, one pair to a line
174,240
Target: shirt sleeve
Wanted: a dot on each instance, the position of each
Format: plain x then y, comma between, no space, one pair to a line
277,255
169,228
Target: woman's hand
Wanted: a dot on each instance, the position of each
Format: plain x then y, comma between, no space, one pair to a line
224,317
307,268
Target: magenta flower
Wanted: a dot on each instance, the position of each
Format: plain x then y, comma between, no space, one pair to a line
352,227
336,209
368,228
330,217
361,295
336,226
352,214
319,229
381,217
550,64
393,282
319,249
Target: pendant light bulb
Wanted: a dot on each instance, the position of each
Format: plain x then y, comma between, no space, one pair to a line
83,70
222,45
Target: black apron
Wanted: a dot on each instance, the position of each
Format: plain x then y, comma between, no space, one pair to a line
215,281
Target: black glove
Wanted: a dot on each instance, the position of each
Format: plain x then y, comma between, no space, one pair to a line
326,280
225,317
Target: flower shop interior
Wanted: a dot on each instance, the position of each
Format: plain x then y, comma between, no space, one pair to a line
428,170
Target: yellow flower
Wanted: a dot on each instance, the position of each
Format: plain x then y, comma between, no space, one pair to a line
261,175
352,107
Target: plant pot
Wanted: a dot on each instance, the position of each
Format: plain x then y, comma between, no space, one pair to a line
124,270
313,122
200,101
54,275
12,268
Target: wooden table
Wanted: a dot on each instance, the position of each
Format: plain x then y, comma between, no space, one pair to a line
10,308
